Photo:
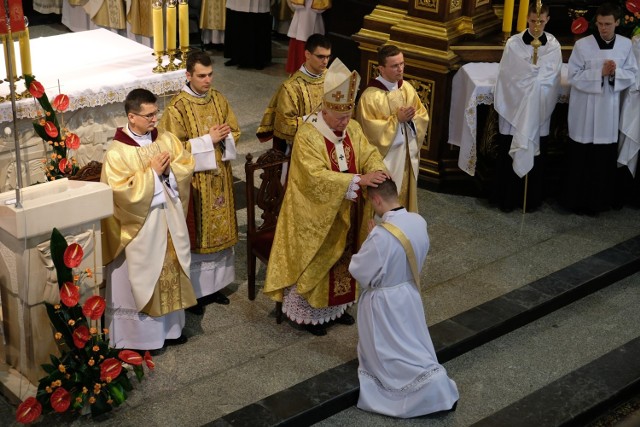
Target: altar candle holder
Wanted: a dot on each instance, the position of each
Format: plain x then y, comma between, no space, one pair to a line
184,52
158,35
171,66
183,31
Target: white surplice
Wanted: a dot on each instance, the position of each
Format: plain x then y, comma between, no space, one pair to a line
594,103
399,372
629,144
526,95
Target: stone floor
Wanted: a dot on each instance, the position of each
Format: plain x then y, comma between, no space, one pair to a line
237,354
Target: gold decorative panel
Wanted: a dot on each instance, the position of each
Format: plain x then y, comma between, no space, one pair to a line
455,5
430,5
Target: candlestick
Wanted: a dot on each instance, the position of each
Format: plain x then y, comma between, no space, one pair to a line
183,19
523,14
156,18
507,18
25,53
7,42
171,25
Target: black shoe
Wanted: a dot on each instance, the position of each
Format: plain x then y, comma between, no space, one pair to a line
231,63
176,341
346,319
219,298
318,330
197,309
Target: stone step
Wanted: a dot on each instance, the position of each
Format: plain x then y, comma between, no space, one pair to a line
337,389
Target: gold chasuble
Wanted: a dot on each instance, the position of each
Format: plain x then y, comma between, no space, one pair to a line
106,13
212,216
212,14
139,16
376,113
317,227
155,240
298,96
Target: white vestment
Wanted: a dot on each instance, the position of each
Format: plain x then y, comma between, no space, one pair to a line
306,21
629,145
399,372
594,103
526,95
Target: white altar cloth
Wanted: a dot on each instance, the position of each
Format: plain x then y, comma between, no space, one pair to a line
473,85
96,69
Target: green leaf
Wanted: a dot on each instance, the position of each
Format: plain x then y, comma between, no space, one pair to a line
117,392
49,369
58,246
139,372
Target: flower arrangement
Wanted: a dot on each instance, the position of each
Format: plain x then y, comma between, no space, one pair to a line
61,141
89,371
629,24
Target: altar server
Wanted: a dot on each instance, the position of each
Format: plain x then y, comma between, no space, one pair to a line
601,66
398,369
525,96
146,242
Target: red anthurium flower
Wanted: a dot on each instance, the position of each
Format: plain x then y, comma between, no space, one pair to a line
36,89
69,294
28,411
633,6
60,400
110,369
131,357
579,25
72,141
80,336
73,255
94,307
51,129
64,165
149,360
61,102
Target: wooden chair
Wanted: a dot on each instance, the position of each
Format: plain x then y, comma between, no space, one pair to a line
89,172
268,198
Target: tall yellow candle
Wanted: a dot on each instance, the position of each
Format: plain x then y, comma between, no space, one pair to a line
171,27
25,53
156,18
183,12
523,14
507,16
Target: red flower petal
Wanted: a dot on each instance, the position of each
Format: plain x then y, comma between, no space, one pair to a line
28,411
69,294
51,129
110,368
149,360
131,357
73,255
61,102
579,25
72,141
64,164
633,6
94,307
60,400
36,89
80,336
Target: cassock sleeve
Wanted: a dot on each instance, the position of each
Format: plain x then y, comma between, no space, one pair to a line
367,265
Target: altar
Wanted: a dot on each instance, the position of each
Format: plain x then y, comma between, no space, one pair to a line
96,69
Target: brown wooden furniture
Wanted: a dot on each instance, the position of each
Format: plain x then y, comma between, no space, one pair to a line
267,198
89,172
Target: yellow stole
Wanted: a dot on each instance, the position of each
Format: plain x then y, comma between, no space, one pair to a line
406,244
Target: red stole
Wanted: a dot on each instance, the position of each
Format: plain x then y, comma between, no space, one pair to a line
342,286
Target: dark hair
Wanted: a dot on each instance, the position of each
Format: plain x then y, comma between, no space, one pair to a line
608,9
386,51
387,189
317,40
543,9
134,100
198,57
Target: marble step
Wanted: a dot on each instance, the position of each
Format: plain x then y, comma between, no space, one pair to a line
337,389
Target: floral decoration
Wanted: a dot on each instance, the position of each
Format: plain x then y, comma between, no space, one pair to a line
629,24
59,164
88,372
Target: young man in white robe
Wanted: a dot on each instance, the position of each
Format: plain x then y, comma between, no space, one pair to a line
525,97
399,372
628,185
601,66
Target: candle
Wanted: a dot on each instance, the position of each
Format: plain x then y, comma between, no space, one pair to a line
183,11
25,53
507,16
171,26
156,17
523,14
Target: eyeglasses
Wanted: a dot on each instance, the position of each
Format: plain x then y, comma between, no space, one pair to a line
149,116
322,57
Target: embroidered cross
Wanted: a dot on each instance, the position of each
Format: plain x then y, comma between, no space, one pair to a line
341,157
338,96
314,120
